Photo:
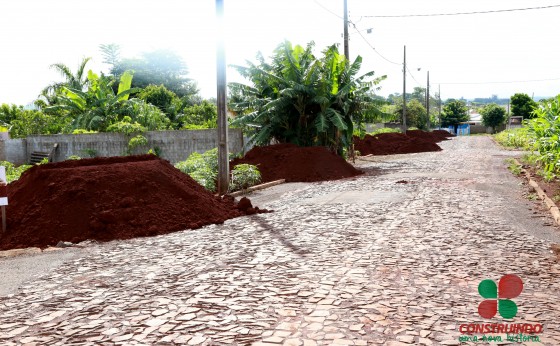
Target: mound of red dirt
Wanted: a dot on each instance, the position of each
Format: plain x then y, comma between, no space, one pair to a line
442,134
433,136
106,199
414,141
293,163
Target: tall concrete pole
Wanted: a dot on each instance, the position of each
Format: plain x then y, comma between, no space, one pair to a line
428,100
223,157
404,94
346,48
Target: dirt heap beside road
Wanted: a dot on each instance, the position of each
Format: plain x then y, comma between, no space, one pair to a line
414,141
297,164
106,199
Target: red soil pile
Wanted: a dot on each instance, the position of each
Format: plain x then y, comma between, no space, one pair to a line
293,163
106,199
434,136
414,141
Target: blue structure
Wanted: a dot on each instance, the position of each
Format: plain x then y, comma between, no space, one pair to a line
463,130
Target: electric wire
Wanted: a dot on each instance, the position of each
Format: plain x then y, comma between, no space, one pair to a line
326,9
373,48
411,75
461,13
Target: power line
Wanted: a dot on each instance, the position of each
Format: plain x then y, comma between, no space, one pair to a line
373,48
463,13
326,9
503,82
411,75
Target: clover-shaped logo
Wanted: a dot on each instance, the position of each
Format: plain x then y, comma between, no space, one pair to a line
498,297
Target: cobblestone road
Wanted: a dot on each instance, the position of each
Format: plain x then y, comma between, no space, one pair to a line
393,257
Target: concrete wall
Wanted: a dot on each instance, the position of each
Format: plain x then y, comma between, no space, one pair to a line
14,150
174,146
479,128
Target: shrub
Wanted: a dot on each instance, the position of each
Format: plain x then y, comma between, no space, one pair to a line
203,168
13,172
244,176
137,141
126,127
545,129
384,130
514,138
82,131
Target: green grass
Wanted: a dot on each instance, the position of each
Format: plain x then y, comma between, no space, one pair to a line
513,166
530,159
546,175
384,130
515,138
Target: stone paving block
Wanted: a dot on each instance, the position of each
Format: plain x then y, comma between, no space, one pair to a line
388,271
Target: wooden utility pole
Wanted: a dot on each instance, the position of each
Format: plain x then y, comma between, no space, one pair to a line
428,100
439,97
223,156
404,94
346,48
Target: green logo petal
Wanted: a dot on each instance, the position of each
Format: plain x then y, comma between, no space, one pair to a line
507,308
488,289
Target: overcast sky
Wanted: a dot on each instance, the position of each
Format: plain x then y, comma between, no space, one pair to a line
466,49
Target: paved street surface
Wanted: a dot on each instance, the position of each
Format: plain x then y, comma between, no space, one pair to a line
393,257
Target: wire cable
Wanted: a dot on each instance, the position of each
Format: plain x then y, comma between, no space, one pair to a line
411,75
373,48
326,9
462,13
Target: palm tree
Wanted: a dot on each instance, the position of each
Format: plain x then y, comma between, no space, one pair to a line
77,81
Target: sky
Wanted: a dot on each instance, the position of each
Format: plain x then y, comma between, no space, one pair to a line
467,56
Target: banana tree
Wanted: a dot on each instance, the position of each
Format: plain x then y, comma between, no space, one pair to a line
300,99
98,107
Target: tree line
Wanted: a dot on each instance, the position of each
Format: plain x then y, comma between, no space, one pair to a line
294,96
152,92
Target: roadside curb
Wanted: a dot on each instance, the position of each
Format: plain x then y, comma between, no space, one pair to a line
257,187
27,251
542,195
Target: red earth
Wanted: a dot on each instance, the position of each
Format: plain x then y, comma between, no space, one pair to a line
106,199
415,141
297,164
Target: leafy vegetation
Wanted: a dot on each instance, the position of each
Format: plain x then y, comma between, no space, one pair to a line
454,112
522,105
203,168
384,130
298,98
158,67
244,176
78,80
24,122
514,138
493,115
513,166
416,115
13,172
545,129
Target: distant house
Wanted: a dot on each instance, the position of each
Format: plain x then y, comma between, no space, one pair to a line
475,118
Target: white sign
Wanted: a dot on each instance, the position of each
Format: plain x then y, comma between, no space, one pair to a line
3,188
